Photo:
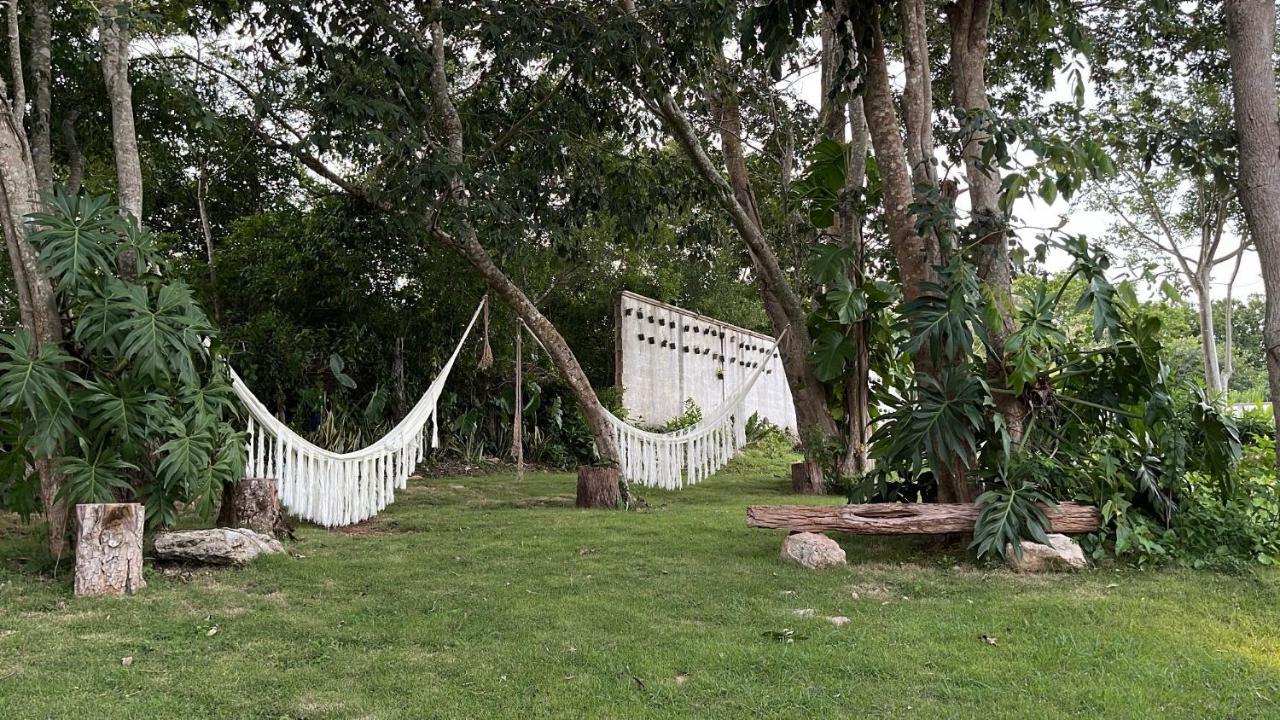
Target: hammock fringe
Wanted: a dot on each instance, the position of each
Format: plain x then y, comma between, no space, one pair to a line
335,489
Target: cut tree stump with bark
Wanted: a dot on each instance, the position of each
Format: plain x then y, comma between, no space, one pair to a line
109,549
904,518
806,478
252,503
598,487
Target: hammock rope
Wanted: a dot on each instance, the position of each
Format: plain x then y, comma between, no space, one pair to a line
334,489
687,456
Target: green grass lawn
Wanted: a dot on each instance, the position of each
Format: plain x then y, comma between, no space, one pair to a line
483,598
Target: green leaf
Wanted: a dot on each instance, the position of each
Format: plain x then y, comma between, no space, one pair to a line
846,302
830,355
94,477
74,238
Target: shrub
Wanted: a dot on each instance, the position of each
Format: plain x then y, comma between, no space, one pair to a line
136,404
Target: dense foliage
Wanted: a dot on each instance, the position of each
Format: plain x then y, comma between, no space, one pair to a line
138,405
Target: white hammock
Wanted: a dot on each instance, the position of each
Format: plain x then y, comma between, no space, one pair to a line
334,489
685,457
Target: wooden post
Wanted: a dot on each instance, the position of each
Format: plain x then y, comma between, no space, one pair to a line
109,549
517,432
806,478
598,487
253,503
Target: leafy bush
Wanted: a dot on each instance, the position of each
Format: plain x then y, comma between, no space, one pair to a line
768,438
690,416
137,404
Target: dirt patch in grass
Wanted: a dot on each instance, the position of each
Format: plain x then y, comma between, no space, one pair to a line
562,501
371,528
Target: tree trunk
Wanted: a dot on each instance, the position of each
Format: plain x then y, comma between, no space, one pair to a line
202,189
468,245
517,429
904,518
75,158
1251,31
598,487
969,21
917,254
253,503
806,478
42,73
783,307
857,383
37,305
109,549
1208,338
114,35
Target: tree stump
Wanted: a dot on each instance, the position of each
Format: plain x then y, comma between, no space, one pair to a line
109,549
806,478
598,487
252,503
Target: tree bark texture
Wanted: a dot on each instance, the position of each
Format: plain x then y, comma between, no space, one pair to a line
109,549
806,478
904,518
1251,33
37,304
468,245
42,73
114,32
969,20
253,503
598,487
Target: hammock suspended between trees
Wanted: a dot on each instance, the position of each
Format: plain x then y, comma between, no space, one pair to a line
687,456
335,489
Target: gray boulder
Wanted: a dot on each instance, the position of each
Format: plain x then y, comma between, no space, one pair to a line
812,551
1061,554
217,546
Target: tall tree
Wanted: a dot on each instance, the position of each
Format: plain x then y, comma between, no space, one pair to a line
115,32
1251,35
20,197
414,163
1183,223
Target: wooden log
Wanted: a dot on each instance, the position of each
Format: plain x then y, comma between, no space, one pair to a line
904,518
252,503
598,487
109,549
806,478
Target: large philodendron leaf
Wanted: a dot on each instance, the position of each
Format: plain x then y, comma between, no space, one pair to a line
99,318
831,353
948,417
121,410
34,380
1007,515
74,239
164,332
214,399
185,455
94,476
846,302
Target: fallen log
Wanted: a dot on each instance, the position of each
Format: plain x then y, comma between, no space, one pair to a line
904,518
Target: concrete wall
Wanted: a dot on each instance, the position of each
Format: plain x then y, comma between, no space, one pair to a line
666,355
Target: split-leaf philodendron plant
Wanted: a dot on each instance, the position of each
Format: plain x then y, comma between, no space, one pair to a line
136,404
